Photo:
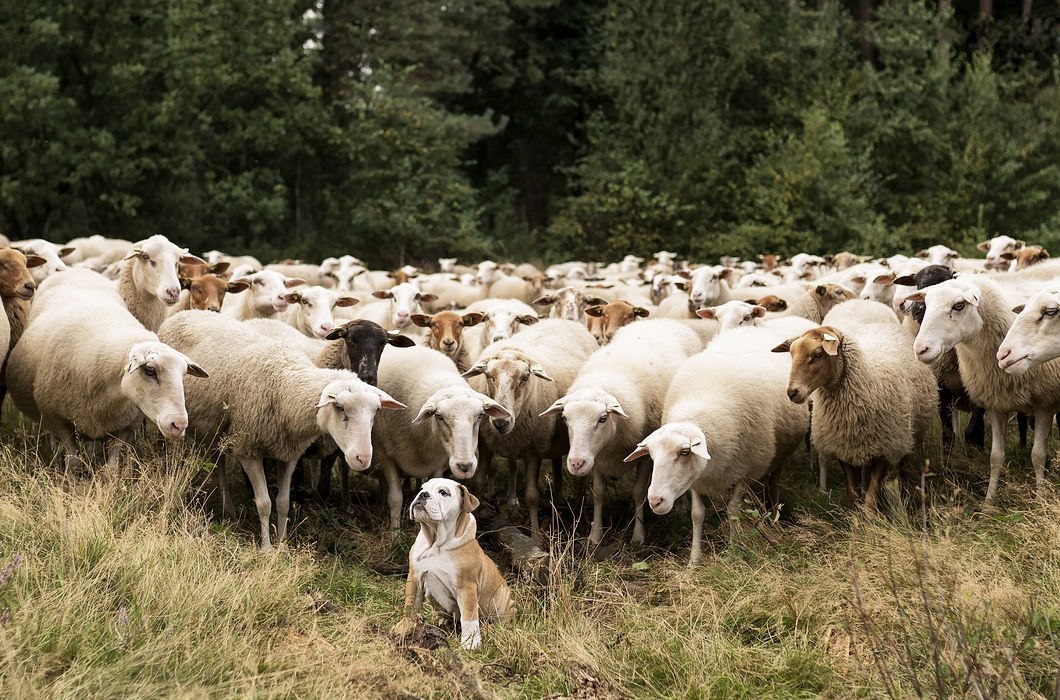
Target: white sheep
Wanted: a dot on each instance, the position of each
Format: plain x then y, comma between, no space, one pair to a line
616,399
1034,337
734,314
394,311
872,402
312,310
527,373
973,315
444,433
266,296
87,368
726,422
148,279
939,255
995,250
53,256
496,284
268,400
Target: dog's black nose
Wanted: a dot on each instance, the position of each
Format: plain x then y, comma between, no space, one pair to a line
422,496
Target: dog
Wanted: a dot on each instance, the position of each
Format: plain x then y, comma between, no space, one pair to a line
447,565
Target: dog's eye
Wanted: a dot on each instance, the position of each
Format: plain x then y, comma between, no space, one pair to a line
443,492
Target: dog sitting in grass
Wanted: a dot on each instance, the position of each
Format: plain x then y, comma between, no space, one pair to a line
447,565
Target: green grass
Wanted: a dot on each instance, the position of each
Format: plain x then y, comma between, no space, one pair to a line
126,584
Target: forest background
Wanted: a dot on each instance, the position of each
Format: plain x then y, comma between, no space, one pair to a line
400,130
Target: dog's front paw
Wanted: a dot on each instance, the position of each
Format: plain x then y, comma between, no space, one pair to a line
470,636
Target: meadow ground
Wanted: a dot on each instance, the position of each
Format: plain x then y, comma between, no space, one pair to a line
128,584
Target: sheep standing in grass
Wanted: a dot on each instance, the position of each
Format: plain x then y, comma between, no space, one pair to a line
616,399
527,373
974,315
444,433
87,368
148,280
872,402
726,422
268,400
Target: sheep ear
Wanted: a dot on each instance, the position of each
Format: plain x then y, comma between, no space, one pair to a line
971,295
885,280
539,371
556,407
639,451
218,268
189,259
830,343
683,286
468,502
421,320
475,369
758,311
197,371
133,252
699,448
596,311
923,254
347,301
426,297
428,410
336,333
399,341
1018,309
34,260
984,246
915,296
237,287
596,301
641,311
293,282
1020,244
473,319
292,298
495,410
616,407
706,313
785,346
63,252
905,281
134,363
546,300
527,319
388,402
325,400
381,294
725,274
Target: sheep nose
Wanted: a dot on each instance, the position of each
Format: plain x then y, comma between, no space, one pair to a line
655,501
448,342
178,426
29,288
576,464
497,337
463,468
172,293
1003,352
327,327
501,425
362,460
214,307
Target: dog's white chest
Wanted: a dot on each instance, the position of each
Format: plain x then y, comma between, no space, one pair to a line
437,576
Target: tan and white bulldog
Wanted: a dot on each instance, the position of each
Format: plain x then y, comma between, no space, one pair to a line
447,565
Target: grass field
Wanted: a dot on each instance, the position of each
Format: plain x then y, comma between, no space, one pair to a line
126,584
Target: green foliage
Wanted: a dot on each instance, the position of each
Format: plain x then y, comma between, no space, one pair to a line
538,129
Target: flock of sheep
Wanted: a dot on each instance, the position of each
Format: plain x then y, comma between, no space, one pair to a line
689,378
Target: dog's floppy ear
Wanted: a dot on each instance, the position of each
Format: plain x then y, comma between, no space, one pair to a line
469,502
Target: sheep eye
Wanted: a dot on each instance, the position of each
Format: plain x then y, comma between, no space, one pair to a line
307,303
685,452
602,419
150,371
439,417
258,283
145,256
525,377
443,492
958,306
339,407
1050,311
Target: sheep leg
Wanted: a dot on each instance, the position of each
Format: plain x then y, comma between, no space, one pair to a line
822,472
596,534
946,414
975,431
877,468
393,494
114,446
1021,426
640,495
1043,424
255,471
699,514
227,506
998,421
283,498
533,495
64,431
732,508
853,490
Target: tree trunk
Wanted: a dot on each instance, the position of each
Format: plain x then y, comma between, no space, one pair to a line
864,17
986,10
1028,10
